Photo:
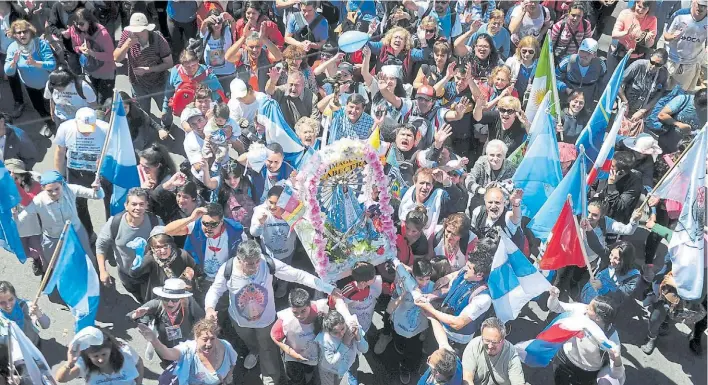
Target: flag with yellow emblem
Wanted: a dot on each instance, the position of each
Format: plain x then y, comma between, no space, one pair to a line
544,81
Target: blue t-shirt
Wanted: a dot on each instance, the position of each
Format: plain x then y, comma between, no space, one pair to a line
296,22
182,11
683,109
502,40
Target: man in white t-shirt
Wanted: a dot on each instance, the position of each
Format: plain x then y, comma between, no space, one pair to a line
245,102
686,44
193,144
64,98
79,143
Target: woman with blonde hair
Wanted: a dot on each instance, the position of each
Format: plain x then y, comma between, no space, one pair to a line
523,65
428,33
507,123
498,86
396,48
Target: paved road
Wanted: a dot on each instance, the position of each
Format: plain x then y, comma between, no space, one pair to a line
671,363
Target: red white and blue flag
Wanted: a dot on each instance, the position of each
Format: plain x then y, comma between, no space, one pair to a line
601,168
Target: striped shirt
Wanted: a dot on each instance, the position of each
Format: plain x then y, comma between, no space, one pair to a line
565,40
150,56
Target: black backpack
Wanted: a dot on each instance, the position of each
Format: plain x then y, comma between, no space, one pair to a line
115,224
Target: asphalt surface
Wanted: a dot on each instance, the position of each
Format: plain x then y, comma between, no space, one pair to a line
671,363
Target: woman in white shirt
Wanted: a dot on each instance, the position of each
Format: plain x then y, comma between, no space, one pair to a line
99,358
206,360
581,358
340,343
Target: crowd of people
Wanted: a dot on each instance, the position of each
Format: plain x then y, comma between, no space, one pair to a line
446,84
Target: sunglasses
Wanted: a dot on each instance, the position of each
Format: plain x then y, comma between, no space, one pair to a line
430,31
211,225
656,64
507,111
172,300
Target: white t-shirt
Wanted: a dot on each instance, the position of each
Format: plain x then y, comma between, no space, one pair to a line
68,101
279,241
215,254
689,48
125,376
246,111
193,144
198,373
364,310
408,319
529,26
82,151
215,53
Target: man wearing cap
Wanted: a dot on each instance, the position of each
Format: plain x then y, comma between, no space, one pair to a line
193,143
79,143
686,44
15,143
582,71
122,240
149,57
245,101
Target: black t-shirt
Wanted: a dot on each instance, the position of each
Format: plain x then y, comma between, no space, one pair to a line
513,137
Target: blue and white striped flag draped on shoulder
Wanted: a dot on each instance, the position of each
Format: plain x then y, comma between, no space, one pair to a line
278,131
76,280
539,172
593,133
9,198
119,165
513,281
686,184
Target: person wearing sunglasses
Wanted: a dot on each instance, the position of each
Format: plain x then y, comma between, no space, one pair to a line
428,33
490,359
523,66
173,313
643,84
29,61
685,43
443,368
211,239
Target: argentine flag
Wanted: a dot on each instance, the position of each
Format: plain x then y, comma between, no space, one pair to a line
513,281
76,280
278,131
119,165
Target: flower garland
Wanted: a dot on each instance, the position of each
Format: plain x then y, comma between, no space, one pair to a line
380,180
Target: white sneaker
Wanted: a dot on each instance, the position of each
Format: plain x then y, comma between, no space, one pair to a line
251,361
382,343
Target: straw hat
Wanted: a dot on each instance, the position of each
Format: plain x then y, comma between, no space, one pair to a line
174,288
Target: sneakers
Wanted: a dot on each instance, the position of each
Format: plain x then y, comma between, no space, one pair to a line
251,361
46,131
649,346
695,346
37,267
281,289
382,343
404,375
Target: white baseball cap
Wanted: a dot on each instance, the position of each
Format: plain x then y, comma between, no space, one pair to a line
238,88
139,23
86,120
87,337
588,45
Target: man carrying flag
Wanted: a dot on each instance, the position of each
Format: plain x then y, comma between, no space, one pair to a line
75,278
118,164
578,339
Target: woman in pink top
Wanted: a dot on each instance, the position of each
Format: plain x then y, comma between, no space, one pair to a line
254,16
95,47
635,29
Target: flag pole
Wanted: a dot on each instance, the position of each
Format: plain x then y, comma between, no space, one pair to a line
583,185
554,86
50,267
581,238
108,136
641,207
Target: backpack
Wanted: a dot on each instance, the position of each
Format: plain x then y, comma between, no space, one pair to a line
230,266
185,91
115,224
78,85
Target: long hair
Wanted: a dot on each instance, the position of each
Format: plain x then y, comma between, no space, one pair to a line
389,35
115,360
626,254
493,57
83,14
157,155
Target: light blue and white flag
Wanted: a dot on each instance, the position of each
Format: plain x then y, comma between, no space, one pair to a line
686,184
278,131
76,280
513,281
119,164
539,172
